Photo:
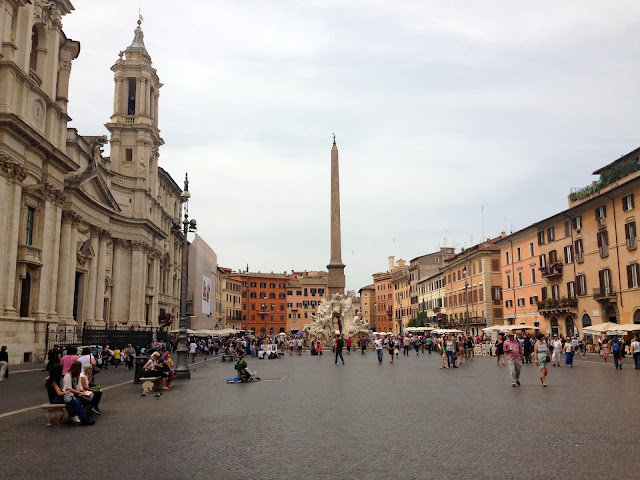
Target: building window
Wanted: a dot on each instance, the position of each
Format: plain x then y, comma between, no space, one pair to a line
567,228
533,275
520,282
263,285
508,304
551,234
605,282
544,293
521,302
571,289
272,285
28,237
568,254
581,284
128,154
633,274
533,300
601,215
518,254
555,291
603,243
630,234
508,280
131,99
506,258
253,284
579,251
627,203
577,222
541,237
543,261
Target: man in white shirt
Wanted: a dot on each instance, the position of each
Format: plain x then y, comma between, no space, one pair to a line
192,350
557,351
378,344
635,349
300,346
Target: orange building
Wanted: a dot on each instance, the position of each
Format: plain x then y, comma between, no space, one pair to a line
585,258
305,291
264,297
384,302
368,303
473,288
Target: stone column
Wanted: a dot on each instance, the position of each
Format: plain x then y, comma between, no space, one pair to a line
90,310
118,245
102,260
156,288
16,174
71,269
136,302
59,201
63,269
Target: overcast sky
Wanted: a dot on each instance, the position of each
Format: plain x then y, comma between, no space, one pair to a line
439,108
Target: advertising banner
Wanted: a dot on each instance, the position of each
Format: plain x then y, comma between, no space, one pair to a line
206,295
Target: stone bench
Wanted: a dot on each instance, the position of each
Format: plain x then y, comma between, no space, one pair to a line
148,384
55,412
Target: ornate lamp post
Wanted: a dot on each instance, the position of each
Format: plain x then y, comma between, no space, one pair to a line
466,295
182,369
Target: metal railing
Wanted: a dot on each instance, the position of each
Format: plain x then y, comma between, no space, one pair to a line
605,291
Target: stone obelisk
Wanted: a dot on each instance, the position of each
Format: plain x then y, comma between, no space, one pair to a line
335,282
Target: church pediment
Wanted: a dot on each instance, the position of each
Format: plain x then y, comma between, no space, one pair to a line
93,184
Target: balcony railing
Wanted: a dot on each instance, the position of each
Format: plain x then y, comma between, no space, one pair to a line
552,271
30,254
604,293
557,304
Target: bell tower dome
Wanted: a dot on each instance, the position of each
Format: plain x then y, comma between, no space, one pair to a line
135,137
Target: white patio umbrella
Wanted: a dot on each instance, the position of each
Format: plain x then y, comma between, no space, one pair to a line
606,328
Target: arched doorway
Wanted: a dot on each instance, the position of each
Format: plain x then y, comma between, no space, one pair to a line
25,295
610,314
586,322
569,326
555,330
636,316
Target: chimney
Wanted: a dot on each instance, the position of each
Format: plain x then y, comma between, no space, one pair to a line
392,262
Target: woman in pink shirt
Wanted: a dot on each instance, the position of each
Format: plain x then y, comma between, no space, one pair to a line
68,359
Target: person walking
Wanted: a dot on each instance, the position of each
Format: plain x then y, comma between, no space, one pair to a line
319,348
378,344
528,348
4,362
557,350
451,352
635,351
363,345
349,345
406,341
391,347
500,349
193,348
339,347
514,352
416,345
605,349
568,353
617,348
541,356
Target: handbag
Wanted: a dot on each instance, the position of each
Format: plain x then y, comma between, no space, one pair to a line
68,397
547,359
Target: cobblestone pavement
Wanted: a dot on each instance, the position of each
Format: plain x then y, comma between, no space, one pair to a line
311,419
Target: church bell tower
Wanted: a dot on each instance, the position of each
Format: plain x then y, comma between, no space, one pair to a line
135,137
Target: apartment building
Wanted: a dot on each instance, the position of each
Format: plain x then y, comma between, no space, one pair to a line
401,305
264,297
304,294
431,294
473,288
422,267
368,303
384,302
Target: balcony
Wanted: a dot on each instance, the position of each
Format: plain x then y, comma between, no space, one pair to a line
558,305
30,254
554,270
604,294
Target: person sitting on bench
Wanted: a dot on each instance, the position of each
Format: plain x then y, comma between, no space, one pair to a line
59,396
153,369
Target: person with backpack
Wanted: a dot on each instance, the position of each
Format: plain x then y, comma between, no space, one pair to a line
616,349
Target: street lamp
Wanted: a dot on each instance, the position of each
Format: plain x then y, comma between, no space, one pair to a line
182,369
466,294
263,312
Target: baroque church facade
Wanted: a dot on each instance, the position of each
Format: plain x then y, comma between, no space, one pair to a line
86,239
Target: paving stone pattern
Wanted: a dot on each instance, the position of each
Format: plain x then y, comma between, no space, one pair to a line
311,419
